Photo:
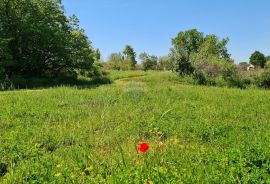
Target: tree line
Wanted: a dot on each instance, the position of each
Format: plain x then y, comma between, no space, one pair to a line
203,58
127,61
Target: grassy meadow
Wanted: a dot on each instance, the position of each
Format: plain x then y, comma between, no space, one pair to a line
197,134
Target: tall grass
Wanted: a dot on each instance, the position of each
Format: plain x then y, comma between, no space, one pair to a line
197,134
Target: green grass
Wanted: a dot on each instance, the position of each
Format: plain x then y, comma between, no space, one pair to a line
16,83
196,134
114,74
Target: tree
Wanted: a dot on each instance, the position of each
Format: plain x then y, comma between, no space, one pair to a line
192,42
267,65
115,57
149,62
267,58
37,39
130,56
181,59
211,46
258,59
243,66
117,61
97,55
165,63
188,41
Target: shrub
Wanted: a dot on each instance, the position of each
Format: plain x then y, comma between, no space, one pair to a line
117,65
237,81
101,80
264,80
210,69
228,71
199,78
6,84
97,70
267,65
214,71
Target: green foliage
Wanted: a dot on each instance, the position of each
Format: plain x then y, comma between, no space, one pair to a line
267,65
20,83
116,61
116,75
130,56
192,42
258,59
97,70
182,64
37,39
165,63
205,60
115,57
122,61
200,78
149,62
214,71
97,55
211,46
264,79
267,58
242,66
189,41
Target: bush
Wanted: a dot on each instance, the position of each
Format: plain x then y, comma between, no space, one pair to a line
97,70
19,82
6,84
264,80
214,71
267,65
210,69
101,80
238,81
117,65
199,78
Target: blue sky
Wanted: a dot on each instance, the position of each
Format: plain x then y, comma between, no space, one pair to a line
149,25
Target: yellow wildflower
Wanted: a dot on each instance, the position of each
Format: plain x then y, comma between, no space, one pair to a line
148,182
37,145
184,169
58,165
90,168
58,175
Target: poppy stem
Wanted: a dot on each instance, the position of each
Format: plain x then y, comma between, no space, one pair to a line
122,155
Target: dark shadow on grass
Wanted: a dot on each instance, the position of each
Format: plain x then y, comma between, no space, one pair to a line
19,83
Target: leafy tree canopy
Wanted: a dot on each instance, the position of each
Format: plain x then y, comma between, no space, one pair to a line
192,42
258,59
149,62
37,39
165,63
130,55
115,57
97,55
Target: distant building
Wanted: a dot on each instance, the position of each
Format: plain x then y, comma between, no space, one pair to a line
251,67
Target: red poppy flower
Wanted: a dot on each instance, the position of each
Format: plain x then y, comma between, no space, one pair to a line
143,147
